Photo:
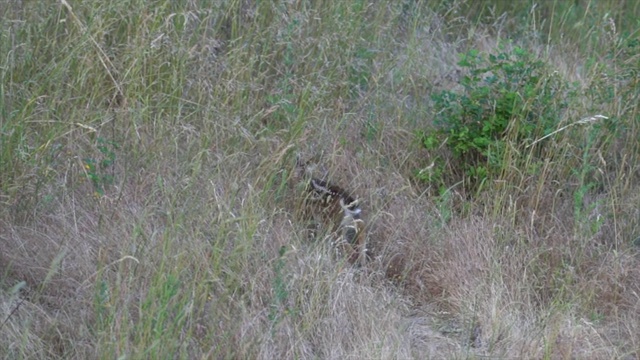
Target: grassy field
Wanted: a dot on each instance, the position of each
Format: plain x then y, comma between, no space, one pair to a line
149,206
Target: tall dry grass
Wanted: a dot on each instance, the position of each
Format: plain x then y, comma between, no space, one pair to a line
150,210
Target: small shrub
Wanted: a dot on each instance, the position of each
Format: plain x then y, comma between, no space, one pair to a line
508,99
97,169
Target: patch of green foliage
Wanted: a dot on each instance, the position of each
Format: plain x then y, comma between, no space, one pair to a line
97,169
508,99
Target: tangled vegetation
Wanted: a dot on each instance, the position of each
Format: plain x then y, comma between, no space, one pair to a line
149,206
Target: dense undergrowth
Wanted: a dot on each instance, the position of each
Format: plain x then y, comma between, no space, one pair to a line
149,206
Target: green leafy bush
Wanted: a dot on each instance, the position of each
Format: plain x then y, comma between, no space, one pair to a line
508,99
97,169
